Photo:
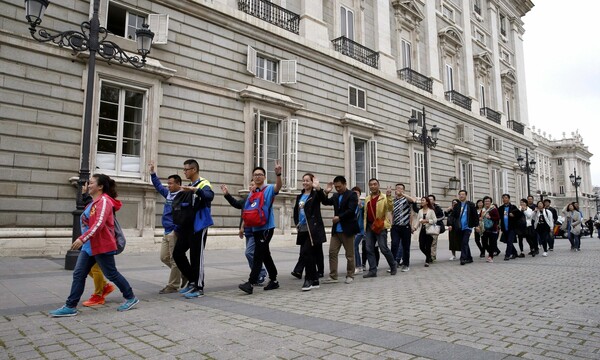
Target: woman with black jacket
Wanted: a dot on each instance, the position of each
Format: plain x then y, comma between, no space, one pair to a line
311,230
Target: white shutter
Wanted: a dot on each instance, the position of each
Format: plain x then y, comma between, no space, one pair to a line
159,24
469,134
491,142
504,182
460,132
499,145
257,139
288,71
290,153
373,158
251,60
471,184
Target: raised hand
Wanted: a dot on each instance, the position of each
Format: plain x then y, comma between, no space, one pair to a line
277,167
224,189
315,183
151,167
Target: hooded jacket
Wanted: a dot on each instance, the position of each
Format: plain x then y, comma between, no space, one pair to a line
101,225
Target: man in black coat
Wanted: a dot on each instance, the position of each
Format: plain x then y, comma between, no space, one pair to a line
509,217
345,227
464,222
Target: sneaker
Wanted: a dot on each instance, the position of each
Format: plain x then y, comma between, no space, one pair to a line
108,288
167,290
307,285
388,271
394,269
272,285
496,253
364,268
426,264
489,259
315,284
405,269
452,258
358,270
521,255
246,287
348,280
370,275
552,249
577,249
94,300
64,311
506,258
187,289
261,281
128,304
330,280
194,294
545,254
296,275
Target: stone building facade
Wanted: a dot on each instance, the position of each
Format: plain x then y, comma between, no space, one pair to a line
325,86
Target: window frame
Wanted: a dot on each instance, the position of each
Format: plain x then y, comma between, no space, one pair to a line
449,77
287,70
370,155
418,169
345,21
406,53
357,91
128,10
466,176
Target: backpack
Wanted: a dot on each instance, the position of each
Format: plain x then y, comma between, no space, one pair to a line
255,213
120,237
184,207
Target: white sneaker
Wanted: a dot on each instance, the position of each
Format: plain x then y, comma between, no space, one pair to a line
349,280
452,258
405,269
545,254
358,270
389,270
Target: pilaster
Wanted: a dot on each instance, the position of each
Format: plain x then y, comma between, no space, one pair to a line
312,27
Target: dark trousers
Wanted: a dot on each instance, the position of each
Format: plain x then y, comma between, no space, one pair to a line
193,270
364,253
425,242
465,249
544,236
490,240
399,234
319,260
479,244
508,237
308,256
262,255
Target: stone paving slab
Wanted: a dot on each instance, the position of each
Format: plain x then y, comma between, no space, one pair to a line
533,308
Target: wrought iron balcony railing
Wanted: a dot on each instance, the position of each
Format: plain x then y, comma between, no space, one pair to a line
491,114
516,126
459,99
414,78
271,13
356,51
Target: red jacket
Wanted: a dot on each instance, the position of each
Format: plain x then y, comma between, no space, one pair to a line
101,231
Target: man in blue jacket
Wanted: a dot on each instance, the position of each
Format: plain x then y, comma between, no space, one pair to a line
170,236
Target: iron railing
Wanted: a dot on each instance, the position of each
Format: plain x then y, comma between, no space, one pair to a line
419,80
271,13
516,126
356,51
459,99
491,115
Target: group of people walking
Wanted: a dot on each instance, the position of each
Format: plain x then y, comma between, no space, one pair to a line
356,224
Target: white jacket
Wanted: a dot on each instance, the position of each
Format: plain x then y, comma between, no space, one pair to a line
547,216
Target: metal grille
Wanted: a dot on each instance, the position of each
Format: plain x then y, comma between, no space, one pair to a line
414,78
516,126
356,51
459,99
491,114
271,13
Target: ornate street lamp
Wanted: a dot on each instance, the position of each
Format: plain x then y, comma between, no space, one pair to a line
576,181
426,140
91,38
528,167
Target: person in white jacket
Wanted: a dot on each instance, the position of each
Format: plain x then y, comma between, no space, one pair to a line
424,221
543,222
527,233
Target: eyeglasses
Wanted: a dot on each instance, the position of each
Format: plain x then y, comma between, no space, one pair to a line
258,175
186,169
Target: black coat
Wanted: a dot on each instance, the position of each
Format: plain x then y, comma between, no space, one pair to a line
512,220
472,217
346,211
312,210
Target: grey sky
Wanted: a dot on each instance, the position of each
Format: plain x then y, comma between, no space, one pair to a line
562,60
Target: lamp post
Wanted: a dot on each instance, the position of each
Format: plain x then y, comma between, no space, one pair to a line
597,200
576,181
427,142
91,38
528,167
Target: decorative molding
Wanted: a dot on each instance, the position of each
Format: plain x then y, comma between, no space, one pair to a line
254,93
360,122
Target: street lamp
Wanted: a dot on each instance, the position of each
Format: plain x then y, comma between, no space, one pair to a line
576,181
528,167
92,38
426,140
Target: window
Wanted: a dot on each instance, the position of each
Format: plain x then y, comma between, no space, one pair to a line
477,7
347,23
465,133
466,177
277,139
505,56
561,189
521,186
120,127
517,152
270,69
122,21
406,54
495,144
560,162
499,181
447,12
449,78
419,171
357,97
502,25
508,109
482,95
480,36
364,161
419,115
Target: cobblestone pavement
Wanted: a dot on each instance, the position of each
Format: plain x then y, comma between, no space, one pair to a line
533,308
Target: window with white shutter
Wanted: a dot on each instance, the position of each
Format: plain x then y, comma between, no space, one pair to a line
271,69
159,25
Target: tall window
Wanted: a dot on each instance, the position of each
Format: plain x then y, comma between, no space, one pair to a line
277,140
502,25
449,78
482,95
122,21
266,68
120,123
347,22
508,109
499,184
406,54
364,162
419,171
466,178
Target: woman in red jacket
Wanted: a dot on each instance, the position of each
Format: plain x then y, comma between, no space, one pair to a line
98,245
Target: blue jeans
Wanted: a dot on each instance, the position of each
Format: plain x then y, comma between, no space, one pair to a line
576,241
250,245
82,268
357,259
465,249
381,240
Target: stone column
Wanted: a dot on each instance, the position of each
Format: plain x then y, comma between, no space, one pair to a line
497,81
469,75
383,39
433,48
519,64
312,27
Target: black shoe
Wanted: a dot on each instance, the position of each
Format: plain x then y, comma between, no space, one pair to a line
462,262
468,261
394,269
321,275
246,287
370,275
307,285
315,284
513,257
296,275
506,258
521,255
496,253
272,285
482,255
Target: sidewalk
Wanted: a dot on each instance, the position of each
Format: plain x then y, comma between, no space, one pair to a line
534,308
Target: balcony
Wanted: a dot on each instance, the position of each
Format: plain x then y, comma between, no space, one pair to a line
516,126
491,115
356,51
458,99
414,78
271,13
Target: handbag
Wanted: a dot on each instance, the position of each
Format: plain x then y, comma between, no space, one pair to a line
432,229
488,223
378,224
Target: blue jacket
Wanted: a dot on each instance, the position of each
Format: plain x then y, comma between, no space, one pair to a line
206,195
167,217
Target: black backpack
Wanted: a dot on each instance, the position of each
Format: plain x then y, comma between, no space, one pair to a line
184,205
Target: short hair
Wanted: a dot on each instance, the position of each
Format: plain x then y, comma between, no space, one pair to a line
192,162
175,177
261,169
373,179
507,195
356,188
463,190
548,200
433,196
524,200
538,203
529,196
401,184
340,179
487,197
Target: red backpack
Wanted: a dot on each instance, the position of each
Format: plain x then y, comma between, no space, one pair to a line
255,212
